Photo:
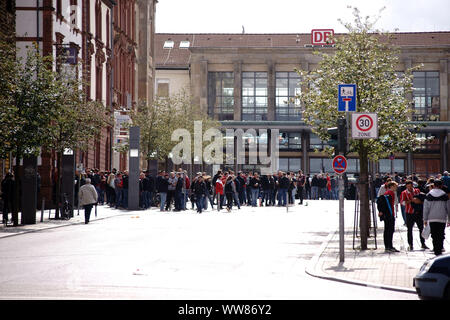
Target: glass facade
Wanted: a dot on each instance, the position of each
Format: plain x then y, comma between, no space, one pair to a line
254,96
221,95
426,98
290,140
289,164
316,143
287,108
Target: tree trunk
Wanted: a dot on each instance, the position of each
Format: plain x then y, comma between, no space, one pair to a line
364,209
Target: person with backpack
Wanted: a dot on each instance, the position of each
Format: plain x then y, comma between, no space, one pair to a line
230,189
385,206
436,213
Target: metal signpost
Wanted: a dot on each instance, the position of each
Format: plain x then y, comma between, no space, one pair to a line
340,166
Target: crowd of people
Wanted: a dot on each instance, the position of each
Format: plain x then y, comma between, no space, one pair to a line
174,190
422,202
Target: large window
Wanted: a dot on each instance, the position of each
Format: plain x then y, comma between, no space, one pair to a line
289,164
431,143
221,95
318,165
426,96
388,166
254,96
316,143
287,88
290,140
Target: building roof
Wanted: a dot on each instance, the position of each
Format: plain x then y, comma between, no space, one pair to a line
177,57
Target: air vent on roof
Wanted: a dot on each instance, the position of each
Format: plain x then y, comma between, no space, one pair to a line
168,44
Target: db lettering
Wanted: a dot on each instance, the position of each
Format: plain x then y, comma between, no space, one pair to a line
321,36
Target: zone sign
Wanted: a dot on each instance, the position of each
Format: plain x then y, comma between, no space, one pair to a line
321,36
364,125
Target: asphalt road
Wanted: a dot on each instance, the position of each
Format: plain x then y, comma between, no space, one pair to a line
253,253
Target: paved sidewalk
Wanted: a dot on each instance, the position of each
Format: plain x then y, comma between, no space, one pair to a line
103,212
373,267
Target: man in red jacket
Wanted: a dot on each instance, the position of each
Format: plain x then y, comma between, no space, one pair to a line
406,200
219,192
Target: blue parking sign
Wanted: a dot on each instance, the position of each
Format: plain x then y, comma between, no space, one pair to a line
347,97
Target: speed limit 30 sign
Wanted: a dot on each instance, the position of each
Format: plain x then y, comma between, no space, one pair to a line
364,125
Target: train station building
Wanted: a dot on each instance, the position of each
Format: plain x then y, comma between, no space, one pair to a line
246,81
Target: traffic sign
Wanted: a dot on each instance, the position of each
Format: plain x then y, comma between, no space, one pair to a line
364,125
339,164
347,97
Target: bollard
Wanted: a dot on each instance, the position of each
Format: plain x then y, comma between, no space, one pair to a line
42,209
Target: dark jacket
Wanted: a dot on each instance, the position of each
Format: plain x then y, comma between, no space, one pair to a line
199,188
162,184
148,184
284,183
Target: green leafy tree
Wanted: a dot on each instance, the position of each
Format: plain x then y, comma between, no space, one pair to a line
76,120
366,57
25,104
157,121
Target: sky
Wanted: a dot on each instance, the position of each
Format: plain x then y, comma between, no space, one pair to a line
297,16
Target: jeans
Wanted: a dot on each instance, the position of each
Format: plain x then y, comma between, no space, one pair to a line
416,218
314,193
200,199
163,198
403,213
255,194
125,198
87,212
283,197
236,199
119,197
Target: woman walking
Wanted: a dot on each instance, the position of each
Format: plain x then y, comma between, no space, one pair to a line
88,197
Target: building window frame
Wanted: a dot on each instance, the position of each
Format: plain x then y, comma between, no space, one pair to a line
287,107
221,95
290,140
426,96
254,96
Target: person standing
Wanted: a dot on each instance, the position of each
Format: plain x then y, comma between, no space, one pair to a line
219,192
315,188
199,190
88,198
229,191
412,217
436,213
118,188
301,180
171,190
284,185
254,187
7,195
389,217
162,186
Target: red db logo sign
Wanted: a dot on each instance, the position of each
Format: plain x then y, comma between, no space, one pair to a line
321,36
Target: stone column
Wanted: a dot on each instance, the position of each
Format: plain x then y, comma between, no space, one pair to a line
271,91
237,70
